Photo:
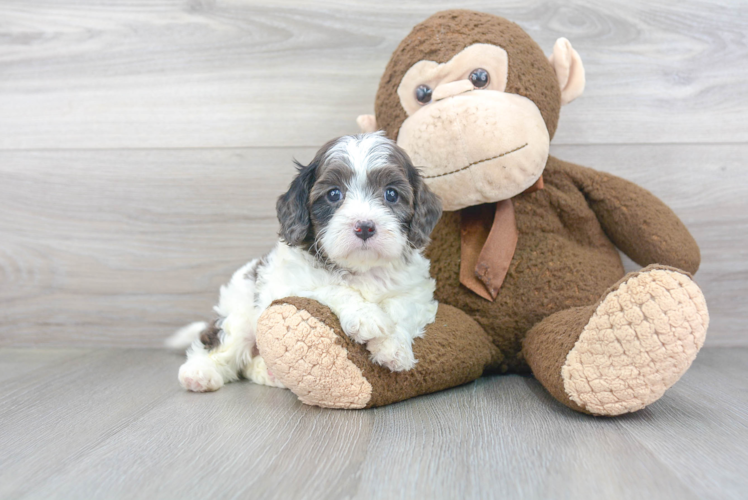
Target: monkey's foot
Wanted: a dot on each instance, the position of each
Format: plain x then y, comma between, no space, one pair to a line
624,353
308,357
305,348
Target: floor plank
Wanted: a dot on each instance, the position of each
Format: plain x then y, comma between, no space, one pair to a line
120,247
20,362
247,441
115,424
505,437
62,413
702,420
172,73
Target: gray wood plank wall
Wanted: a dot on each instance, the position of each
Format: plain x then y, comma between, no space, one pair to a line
142,144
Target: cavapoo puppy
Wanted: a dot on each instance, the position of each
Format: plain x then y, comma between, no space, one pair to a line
352,228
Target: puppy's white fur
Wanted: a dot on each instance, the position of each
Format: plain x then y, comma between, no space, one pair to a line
379,288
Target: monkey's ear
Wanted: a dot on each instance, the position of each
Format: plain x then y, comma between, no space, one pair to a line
569,70
367,123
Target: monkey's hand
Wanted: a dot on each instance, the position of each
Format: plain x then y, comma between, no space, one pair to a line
636,221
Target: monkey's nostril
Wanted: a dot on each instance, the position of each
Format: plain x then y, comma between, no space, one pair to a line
364,229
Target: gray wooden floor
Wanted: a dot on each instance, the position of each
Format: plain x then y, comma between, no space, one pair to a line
113,423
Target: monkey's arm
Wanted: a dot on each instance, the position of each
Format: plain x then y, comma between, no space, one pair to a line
636,221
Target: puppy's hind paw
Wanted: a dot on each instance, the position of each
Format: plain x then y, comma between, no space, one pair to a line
199,377
391,353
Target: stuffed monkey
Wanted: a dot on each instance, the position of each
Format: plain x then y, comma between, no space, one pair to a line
528,274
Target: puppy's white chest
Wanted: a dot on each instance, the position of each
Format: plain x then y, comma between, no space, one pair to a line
372,289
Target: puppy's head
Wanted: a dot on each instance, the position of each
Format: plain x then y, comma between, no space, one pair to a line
360,203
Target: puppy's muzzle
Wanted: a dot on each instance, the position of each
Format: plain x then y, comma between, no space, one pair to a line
364,229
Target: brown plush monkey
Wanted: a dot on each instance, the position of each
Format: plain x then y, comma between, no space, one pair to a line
528,275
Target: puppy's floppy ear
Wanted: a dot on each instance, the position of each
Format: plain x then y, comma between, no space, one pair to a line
427,210
293,206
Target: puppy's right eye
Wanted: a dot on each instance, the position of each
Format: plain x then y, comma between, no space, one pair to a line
334,195
423,94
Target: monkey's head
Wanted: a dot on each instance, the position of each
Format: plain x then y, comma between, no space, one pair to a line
475,102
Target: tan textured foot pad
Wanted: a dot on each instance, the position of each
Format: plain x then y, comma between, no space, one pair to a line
642,337
306,358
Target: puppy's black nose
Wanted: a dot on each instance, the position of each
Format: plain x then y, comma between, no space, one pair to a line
365,229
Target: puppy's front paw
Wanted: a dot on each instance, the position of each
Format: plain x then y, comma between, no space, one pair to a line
366,322
199,377
392,353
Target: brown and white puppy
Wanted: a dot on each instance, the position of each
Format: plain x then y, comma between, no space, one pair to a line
353,224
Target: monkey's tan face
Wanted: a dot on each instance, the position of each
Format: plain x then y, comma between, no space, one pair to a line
473,142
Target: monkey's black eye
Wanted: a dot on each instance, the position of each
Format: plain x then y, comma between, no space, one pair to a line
423,94
391,195
334,195
479,78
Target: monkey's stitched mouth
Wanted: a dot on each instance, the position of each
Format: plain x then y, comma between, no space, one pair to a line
475,163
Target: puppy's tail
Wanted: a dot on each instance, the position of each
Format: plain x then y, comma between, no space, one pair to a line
183,338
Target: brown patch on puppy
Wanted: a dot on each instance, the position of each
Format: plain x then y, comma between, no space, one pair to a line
251,273
393,177
210,336
329,176
427,211
418,208
293,206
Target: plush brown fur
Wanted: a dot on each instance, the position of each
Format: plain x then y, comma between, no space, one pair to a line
548,343
564,257
445,34
565,260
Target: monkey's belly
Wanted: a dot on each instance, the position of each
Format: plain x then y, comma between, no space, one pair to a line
550,272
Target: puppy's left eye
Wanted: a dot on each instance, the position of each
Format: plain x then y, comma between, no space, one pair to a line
334,195
391,195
